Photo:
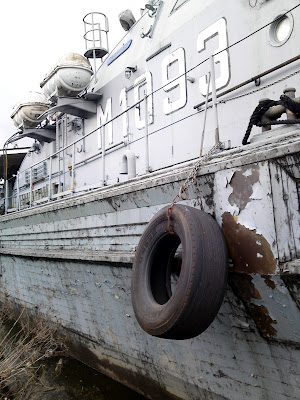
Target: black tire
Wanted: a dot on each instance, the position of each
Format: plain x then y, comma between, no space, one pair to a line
203,276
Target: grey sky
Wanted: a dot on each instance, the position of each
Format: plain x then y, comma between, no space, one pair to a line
35,34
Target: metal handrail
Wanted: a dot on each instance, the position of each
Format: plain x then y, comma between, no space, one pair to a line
251,80
73,144
102,128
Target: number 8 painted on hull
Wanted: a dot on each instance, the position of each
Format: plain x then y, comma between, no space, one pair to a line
218,28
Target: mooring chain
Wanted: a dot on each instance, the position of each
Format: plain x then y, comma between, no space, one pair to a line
183,193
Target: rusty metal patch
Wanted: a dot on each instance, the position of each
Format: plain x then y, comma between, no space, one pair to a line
245,289
269,282
249,251
242,183
263,321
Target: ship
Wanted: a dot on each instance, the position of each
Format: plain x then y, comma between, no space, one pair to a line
155,217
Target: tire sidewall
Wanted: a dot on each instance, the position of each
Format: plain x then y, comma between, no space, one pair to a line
154,318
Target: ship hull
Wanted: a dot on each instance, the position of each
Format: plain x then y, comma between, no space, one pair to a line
71,260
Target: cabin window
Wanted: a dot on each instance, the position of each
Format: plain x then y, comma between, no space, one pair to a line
178,4
281,29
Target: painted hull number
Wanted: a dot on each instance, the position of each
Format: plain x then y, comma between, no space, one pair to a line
174,80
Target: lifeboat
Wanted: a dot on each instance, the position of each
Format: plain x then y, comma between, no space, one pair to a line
70,76
27,112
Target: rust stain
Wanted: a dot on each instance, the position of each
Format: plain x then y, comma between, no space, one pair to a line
249,251
244,286
292,282
138,381
245,289
242,185
263,321
269,282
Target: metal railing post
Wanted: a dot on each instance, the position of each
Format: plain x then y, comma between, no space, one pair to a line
83,134
30,196
146,136
103,154
214,98
59,175
205,115
100,39
94,51
18,191
73,168
6,196
49,182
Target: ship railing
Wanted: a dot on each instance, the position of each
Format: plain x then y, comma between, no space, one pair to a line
60,190
96,37
96,33
52,191
20,198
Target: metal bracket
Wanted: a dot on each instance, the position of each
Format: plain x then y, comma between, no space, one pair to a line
83,107
153,14
40,134
143,35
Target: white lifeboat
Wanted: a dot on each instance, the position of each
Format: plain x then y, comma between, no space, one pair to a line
27,112
70,76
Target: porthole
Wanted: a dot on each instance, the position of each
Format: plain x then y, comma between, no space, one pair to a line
281,29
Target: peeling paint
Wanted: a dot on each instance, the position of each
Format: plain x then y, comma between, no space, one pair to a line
245,289
242,183
263,320
269,282
244,248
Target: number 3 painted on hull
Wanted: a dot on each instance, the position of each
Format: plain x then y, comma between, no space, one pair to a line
218,28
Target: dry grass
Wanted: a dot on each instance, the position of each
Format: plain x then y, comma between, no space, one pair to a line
23,347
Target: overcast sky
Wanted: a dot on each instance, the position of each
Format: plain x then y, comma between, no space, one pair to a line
35,33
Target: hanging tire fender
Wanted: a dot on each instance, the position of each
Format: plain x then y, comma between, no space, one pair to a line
191,307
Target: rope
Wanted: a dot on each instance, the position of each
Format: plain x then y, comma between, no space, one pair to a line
264,106
291,105
255,118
